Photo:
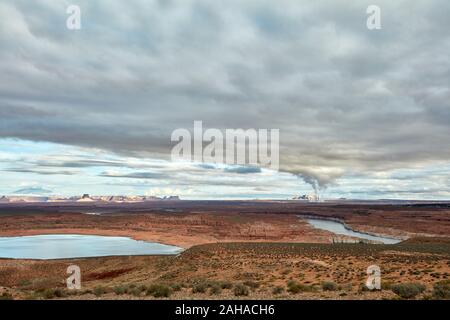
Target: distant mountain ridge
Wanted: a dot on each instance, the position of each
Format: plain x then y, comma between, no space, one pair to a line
85,198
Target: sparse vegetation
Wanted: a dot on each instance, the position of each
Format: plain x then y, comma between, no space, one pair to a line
295,287
277,290
408,290
60,293
226,284
6,296
386,285
200,287
363,288
251,284
257,269
240,290
329,286
215,289
159,291
176,286
136,292
120,290
441,290
48,294
99,291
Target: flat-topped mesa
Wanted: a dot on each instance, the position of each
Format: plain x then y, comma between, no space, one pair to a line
85,198
16,199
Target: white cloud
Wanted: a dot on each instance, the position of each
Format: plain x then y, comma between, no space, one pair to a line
345,99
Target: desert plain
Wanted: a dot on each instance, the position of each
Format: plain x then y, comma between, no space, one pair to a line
236,250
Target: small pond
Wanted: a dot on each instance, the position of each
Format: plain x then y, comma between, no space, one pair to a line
78,246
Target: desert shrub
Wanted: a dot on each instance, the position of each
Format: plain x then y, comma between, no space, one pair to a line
441,290
251,284
363,288
240,290
277,290
73,292
98,291
135,291
159,291
25,283
42,284
215,289
408,290
30,296
48,294
6,296
176,286
295,287
386,285
226,285
329,286
59,293
142,288
346,287
119,290
199,287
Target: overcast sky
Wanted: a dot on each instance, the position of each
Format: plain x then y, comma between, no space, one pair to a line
362,113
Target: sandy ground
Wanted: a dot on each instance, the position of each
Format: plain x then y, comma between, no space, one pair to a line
187,223
259,266
264,245
190,223
183,230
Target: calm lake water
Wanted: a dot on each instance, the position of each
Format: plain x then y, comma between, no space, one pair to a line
78,246
339,228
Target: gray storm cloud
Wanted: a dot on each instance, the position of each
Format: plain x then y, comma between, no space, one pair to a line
345,99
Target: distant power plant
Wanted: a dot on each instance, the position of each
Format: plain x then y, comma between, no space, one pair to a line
308,197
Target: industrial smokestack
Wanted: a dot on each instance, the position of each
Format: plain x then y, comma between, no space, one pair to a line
314,183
